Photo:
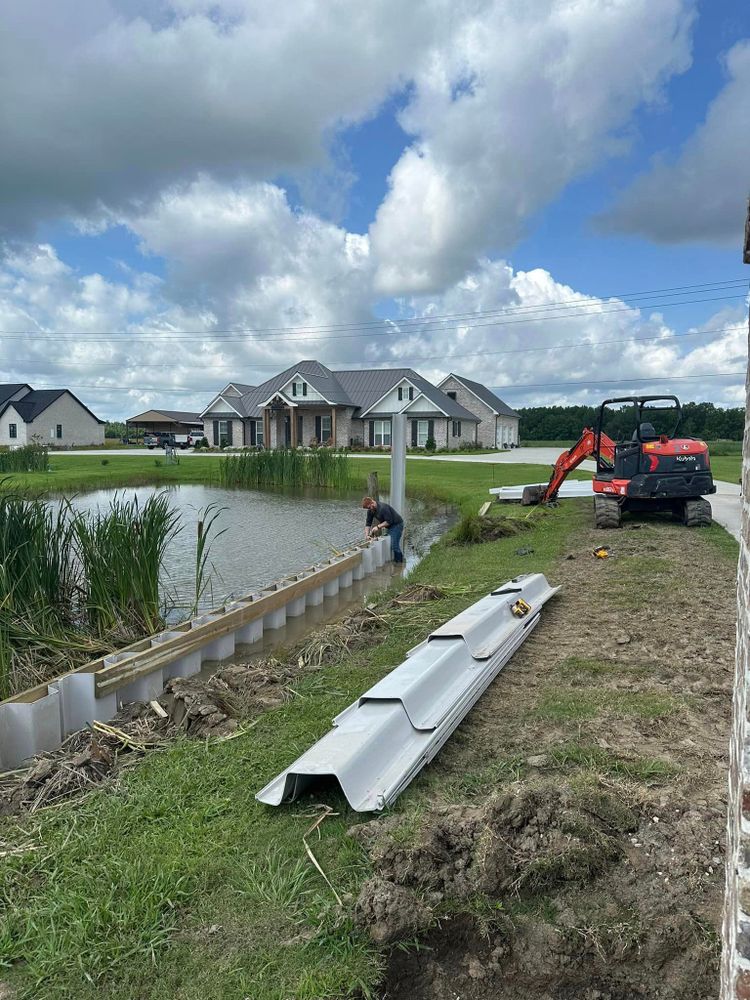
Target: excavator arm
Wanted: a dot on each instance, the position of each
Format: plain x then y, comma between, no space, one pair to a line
584,448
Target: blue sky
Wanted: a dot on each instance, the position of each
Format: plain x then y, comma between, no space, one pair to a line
466,158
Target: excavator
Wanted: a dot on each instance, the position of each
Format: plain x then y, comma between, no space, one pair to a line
648,472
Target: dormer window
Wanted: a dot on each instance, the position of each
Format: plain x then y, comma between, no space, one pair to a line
299,388
402,389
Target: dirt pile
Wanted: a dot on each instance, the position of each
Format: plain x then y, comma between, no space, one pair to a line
86,760
473,530
205,708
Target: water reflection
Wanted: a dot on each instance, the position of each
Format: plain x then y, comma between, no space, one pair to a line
267,535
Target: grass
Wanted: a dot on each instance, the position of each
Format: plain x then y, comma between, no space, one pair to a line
574,706
29,458
727,467
178,885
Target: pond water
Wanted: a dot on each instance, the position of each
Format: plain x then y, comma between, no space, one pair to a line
265,535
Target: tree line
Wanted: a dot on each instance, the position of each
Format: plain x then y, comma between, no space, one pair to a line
565,423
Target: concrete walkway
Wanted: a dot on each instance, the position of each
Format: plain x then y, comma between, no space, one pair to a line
726,503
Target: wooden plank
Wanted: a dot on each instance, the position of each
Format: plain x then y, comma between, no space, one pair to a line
112,677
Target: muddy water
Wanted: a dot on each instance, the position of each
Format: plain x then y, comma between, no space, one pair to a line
267,535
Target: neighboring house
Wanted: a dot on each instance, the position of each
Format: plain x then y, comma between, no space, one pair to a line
498,427
309,403
165,422
53,417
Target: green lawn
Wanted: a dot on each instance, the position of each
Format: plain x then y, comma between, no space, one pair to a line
454,482
727,467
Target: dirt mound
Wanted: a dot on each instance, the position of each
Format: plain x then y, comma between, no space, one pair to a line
525,840
329,644
210,708
417,593
85,760
535,895
473,530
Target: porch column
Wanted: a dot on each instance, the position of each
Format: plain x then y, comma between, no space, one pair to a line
333,426
266,428
293,426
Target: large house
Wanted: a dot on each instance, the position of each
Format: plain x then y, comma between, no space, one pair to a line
52,417
308,403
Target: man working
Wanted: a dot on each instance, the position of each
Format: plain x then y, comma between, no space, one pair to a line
382,515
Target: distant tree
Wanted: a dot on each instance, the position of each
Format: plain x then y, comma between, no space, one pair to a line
565,423
114,429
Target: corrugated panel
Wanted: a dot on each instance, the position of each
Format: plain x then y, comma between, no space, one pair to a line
381,741
573,488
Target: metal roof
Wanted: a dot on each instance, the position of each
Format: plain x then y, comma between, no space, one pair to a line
381,741
486,395
366,387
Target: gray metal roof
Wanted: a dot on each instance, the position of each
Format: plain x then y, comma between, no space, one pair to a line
487,396
359,388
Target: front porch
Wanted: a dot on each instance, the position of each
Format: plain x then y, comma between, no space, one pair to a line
286,424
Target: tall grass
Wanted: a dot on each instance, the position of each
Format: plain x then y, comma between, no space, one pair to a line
287,467
29,458
74,584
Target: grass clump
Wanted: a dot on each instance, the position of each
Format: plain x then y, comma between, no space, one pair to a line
576,705
322,467
473,530
29,458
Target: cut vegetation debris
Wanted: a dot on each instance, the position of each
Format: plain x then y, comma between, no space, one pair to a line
473,529
568,841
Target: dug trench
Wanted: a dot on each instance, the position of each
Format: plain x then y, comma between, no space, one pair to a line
569,843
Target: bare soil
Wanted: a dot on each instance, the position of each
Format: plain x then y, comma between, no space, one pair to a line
572,845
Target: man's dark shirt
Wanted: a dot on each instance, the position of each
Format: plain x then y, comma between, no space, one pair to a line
384,512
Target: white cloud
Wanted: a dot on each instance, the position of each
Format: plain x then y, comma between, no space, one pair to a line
523,99
106,103
702,195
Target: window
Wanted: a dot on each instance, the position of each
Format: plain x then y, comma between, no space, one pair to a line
258,432
12,430
382,429
299,388
58,431
403,389
456,428
423,432
325,429
223,433
451,393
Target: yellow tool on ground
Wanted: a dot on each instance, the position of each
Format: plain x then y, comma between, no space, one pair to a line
602,552
520,609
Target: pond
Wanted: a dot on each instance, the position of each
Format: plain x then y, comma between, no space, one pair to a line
265,535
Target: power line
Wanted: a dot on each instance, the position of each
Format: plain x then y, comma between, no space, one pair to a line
513,385
396,327
438,357
668,291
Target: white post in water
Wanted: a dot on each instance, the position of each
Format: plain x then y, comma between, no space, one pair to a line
398,462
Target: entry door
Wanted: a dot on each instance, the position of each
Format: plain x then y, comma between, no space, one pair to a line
299,429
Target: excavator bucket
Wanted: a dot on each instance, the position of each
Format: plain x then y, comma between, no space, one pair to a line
532,495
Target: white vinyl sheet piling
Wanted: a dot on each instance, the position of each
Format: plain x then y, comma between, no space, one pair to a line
40,719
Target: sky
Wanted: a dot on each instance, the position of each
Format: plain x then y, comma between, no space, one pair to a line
547,196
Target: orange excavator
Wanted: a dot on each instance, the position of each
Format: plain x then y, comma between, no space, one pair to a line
648,472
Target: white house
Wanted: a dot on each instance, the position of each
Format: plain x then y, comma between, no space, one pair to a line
52,417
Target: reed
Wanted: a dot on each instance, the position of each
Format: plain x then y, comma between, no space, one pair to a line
75,585
29,458
323,468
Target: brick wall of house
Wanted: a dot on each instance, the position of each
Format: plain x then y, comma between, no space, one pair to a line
735,966
486,426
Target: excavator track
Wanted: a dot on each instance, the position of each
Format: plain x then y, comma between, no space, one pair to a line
607,511
697,513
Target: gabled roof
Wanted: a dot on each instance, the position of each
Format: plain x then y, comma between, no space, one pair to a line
484,394
367,387
37,401
180,416
10,389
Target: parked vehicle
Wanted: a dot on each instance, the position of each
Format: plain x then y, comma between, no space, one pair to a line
151,441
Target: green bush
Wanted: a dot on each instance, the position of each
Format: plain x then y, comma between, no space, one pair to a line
430,444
